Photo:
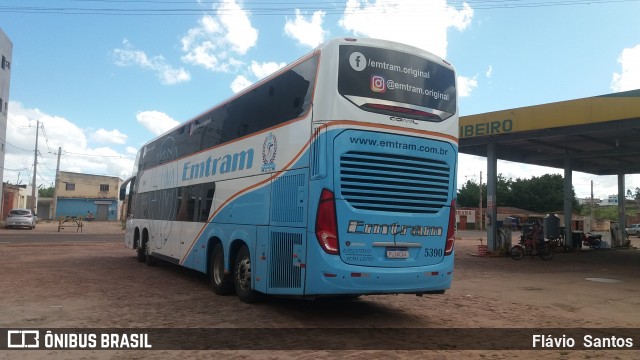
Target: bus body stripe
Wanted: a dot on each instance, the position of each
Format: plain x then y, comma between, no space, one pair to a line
304,148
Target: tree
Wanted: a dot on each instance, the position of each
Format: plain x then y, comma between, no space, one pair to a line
539,194
469,195
46,192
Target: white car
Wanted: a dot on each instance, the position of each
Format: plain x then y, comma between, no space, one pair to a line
633,229
21,218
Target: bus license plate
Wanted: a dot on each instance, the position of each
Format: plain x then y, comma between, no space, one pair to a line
397,253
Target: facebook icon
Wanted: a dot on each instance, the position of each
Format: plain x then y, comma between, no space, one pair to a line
357,61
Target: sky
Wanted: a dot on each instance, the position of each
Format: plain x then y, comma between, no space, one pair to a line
102,77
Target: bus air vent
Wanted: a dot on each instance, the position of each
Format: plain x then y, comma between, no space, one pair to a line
394,183
283,272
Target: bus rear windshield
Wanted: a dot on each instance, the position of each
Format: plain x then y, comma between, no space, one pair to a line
396,83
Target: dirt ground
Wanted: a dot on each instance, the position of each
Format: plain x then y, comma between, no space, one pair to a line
85,284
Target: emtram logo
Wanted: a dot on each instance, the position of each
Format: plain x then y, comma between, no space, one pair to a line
269,150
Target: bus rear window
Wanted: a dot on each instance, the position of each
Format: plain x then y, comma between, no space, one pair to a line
396,83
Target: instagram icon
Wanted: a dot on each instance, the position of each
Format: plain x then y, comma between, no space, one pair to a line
378,84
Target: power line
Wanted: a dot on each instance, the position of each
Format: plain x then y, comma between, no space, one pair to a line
274,8
46,138
97,155
23,169
19,148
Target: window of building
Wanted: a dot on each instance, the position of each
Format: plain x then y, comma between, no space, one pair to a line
4,62
104,187
70,186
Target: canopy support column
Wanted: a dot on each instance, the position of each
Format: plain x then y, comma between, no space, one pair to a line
492,179
568,202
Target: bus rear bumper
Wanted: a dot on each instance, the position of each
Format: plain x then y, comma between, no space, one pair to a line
363,280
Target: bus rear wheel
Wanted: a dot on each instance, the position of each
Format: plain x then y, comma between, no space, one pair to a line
242,277
220,282
147,252
140,254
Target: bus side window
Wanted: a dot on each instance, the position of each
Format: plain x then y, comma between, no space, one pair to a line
207,201
183,198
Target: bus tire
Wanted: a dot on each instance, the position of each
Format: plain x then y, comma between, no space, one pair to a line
141,255
242,277
221,283
147,254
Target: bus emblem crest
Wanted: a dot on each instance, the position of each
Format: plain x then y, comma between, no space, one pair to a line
269,150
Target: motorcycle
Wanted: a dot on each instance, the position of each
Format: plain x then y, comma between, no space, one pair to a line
593,241
525,247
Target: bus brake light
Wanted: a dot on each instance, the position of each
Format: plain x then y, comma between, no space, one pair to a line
451,230
326,223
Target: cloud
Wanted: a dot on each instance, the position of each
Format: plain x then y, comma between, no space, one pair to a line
489,72
104,136
266,68
240,83
629,79
309,33
76,156
155,121
466,85
129,56
214,41
400,21
240,34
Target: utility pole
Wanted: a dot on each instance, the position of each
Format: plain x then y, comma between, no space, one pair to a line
480,205
55,187
34,203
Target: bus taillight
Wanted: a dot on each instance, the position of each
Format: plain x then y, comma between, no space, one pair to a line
326,223
451,230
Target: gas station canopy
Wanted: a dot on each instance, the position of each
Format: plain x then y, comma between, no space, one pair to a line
599,135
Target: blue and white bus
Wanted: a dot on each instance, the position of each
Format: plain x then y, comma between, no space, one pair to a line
334,176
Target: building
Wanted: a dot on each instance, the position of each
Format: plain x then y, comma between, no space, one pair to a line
589,201
6,50
14,196
81,194
611,200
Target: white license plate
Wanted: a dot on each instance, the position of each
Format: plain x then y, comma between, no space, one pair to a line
397,253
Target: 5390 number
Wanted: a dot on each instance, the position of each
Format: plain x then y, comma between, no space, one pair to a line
433,252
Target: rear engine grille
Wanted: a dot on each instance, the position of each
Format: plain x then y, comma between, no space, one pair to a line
394,183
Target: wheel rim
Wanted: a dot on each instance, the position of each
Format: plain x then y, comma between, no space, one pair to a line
218,268
243,273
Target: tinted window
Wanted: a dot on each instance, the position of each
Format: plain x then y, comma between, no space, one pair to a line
283,98
190,203
370,75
